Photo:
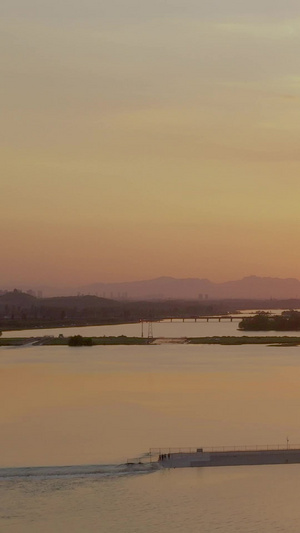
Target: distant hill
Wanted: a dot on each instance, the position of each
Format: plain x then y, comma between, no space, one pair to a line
251,287
20,310
163,288
17,298
20,299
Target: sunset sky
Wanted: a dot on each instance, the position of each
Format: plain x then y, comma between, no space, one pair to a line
142,139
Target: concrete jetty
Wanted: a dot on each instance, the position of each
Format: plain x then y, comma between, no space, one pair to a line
235,456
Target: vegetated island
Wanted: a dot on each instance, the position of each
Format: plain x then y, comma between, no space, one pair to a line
75,340
287,321
78,340
238,341
122,340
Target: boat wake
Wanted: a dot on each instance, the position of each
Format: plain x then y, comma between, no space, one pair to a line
79,471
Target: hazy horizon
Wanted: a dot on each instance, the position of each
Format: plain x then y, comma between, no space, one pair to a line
147,139
162,277
165,287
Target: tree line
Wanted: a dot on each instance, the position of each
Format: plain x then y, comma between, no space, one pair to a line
287,321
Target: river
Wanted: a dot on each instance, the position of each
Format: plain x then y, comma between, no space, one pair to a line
96,407
165,328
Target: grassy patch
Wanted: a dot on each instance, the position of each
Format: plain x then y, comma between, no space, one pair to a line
245,340
104,341
122,340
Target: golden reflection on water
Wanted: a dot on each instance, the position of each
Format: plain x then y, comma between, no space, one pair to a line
72,407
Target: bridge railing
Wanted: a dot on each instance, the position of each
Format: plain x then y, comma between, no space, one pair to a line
253,448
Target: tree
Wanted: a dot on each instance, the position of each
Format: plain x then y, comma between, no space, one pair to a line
78,340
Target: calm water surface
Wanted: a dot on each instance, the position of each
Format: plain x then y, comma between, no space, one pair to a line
96,407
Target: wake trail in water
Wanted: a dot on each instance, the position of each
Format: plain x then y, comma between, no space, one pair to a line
79,471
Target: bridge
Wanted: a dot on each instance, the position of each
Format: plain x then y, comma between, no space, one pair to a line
207,318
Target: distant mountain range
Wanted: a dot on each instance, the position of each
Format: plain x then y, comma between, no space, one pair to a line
251,287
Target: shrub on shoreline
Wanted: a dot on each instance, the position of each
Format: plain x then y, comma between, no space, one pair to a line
78,340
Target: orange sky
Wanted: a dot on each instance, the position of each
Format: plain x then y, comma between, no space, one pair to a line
149,139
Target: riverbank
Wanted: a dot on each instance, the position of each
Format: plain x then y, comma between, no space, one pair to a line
132,341
64,341
234,340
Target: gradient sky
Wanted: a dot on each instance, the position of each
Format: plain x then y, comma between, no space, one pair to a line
142,139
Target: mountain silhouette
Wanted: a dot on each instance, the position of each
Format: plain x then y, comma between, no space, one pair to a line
252,287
